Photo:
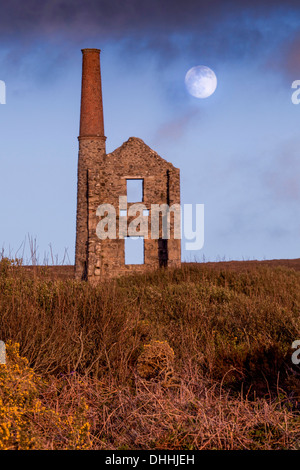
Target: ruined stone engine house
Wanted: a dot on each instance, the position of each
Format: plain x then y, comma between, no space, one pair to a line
104,178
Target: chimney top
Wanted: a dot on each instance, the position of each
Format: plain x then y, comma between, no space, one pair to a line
90,50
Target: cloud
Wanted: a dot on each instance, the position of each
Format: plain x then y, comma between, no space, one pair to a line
284,176
292,58
165,29
288,59
114,19
175,128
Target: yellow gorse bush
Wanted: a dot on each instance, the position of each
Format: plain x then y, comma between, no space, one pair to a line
25,421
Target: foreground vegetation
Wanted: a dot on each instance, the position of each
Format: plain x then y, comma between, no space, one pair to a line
191,358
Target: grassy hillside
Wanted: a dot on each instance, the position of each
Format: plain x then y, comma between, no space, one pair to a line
191,358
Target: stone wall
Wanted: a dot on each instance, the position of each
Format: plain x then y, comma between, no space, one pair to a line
133,160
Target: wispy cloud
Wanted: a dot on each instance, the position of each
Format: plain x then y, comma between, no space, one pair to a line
175,128
283,177
51,32
76,20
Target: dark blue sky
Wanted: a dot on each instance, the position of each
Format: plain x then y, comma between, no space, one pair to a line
238,150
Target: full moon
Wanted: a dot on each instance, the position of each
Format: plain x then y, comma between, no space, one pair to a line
200,81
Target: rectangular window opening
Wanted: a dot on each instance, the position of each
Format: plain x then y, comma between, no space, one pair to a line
163,252
134,250
135,190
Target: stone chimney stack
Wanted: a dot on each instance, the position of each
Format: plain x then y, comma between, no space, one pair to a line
92,150
91,112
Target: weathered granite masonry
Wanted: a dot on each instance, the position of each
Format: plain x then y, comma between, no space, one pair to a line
102,178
